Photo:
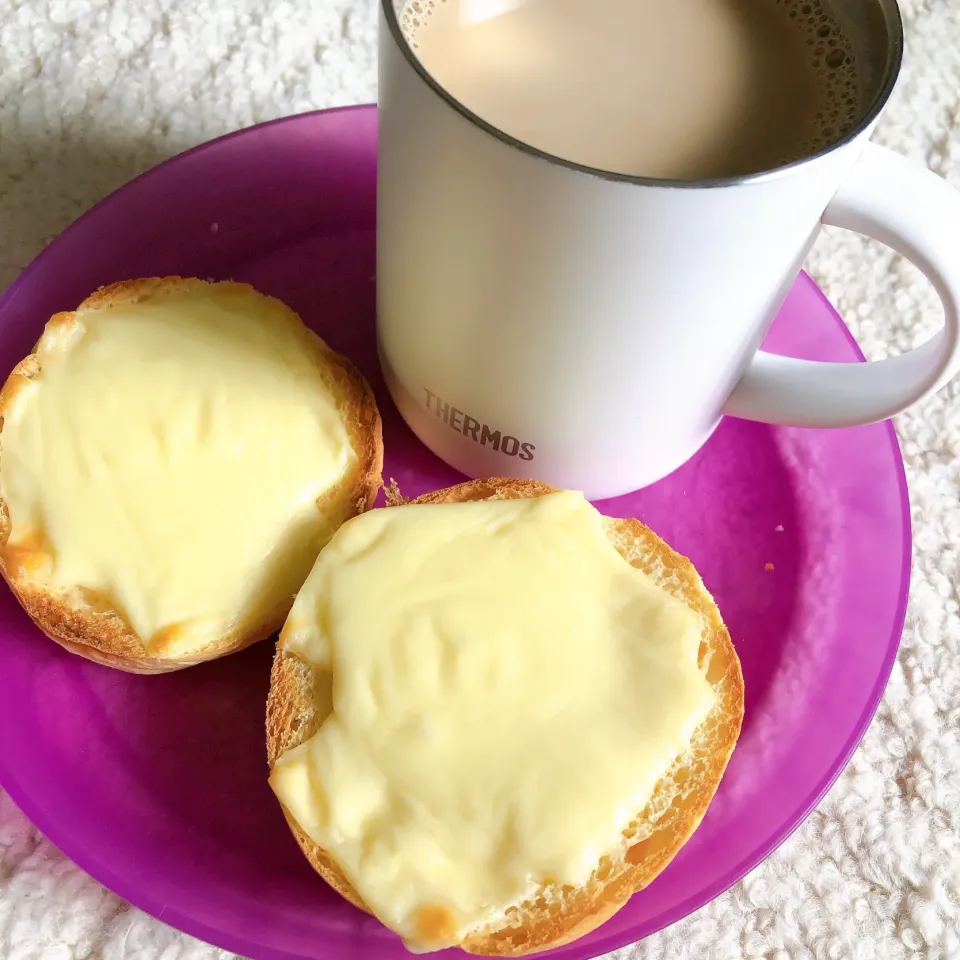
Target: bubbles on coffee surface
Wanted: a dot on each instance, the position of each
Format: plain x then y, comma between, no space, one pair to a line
836,71
413,16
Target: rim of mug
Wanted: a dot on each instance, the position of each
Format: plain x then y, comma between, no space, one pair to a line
891,74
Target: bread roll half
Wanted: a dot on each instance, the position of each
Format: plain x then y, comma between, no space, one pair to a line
299,703
204,366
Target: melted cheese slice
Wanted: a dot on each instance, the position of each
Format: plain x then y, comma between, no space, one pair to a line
167,459
506,692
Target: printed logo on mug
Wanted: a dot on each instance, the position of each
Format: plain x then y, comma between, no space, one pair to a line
590,213
476,429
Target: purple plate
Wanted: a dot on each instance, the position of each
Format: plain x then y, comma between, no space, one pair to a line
157,785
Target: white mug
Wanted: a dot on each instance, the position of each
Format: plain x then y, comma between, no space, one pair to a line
537,318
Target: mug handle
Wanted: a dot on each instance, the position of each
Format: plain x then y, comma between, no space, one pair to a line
916,213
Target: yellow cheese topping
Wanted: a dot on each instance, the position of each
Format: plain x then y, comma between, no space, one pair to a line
506,692
167,459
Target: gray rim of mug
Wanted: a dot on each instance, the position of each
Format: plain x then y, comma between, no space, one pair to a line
891,73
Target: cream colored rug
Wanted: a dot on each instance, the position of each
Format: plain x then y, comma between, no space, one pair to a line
94,91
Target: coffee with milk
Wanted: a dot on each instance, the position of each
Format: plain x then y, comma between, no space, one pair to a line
675,89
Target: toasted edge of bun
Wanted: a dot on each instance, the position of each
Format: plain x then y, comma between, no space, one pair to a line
556,915
87,625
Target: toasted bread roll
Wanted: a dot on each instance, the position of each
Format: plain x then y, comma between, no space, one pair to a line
301,701
173,455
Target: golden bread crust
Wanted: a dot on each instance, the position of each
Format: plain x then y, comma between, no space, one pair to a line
84,623
559,915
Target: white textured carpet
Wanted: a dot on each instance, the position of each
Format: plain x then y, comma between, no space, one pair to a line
94,91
